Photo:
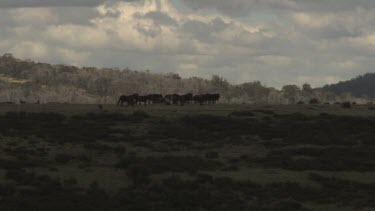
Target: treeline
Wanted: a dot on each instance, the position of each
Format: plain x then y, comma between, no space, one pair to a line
30,81
361,86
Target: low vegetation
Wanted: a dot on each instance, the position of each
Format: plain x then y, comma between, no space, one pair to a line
301,157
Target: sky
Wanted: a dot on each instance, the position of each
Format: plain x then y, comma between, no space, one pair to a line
276,42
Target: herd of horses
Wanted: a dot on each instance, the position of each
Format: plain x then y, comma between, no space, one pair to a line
171,99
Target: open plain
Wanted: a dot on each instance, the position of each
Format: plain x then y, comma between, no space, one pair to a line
192,157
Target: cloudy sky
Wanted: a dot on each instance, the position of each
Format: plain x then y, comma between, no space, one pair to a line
274,41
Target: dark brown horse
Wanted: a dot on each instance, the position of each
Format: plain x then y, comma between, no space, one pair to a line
144,99
188,98
129,100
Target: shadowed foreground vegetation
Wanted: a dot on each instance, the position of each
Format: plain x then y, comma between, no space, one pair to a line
183,158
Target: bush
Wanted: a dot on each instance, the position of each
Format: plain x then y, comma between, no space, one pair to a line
204,178
158,165
300,102
6,190
212,155
141,114
47,117
242,113
70,181
265,111
346,105
286,205
139,174
126,161
63,158
314,101
101,116
119,150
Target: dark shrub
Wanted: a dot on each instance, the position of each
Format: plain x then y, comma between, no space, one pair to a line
265,111
6,190
141,114
96,192
119,150
212,155
97,146
70,181
345,192
101,117
286,205
15,164
314,101
204,178
230,168
84,158
346,105
224,181
300,102
158,165
242,113
63,158
20,176
136,117
47,117
139,174
126,161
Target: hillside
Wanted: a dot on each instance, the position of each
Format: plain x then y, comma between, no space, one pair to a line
31,81
361,86
40,82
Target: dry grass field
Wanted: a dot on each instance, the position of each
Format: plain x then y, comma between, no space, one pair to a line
211,157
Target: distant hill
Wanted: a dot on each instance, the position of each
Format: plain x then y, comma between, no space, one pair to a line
361,86
33,81
29,81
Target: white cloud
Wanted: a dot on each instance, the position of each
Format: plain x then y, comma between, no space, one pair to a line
78,36
72,57
40,16
48,3
314,20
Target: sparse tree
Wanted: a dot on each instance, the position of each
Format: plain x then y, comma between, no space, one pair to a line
307,88
291,92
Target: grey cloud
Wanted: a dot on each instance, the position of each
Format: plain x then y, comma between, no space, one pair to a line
334,5
245,7
158,17
68,15
203,31
219,25
198,30
148,31
333,33
241,7
74,15
54,3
